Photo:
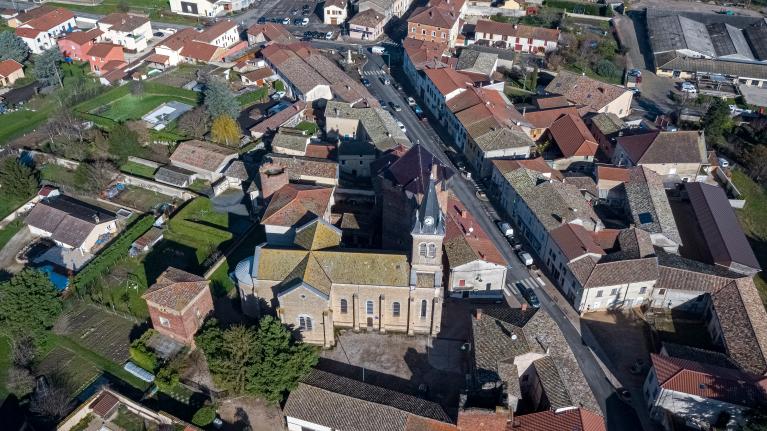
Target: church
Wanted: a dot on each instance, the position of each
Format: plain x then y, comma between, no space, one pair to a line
316,286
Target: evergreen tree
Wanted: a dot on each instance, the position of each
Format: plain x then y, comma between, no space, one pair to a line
220,100
17,180
13,47
29,304
48,67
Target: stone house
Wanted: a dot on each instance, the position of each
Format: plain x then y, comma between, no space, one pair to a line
178,304
520,38
367,25
292,206
205,159
591,95
676,156
10,71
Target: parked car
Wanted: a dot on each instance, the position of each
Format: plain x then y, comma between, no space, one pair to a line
297,21
396,107
505,228
365,82
278,95
529,295
286,21
724,163
306,12
329,35
635,72
688,87
294,11
385,80
261,20
410,101
159,34
304,21
418,111
401,126
525,257
378,50
305,7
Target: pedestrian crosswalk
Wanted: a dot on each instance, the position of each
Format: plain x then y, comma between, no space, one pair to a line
529,283
373,73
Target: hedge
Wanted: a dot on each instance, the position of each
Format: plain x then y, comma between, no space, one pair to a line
582,8
104,261
204,416
140,353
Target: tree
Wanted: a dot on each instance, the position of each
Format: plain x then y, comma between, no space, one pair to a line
137,88
13,47
226,131
24,351
94,177
554,61
139,128
281,361
20,380
204,416
230,353
219,99
29,304
194,123
756,160
534,79
123,142
17,180
48,67
717,120
756,418
606,68
51,398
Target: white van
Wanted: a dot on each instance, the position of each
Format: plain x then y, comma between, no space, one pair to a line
505,228
525,257
378,49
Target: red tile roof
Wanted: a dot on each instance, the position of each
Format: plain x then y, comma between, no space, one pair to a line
158,58
448,80
7,67
104,403
28,33
544,118
573,137
482,420
83,37
124,22
102,50
612,173
175,289
294,204
707,381
272,32
434,16
52,17
462,225
199,50
569,420
591,93
575,241
216,30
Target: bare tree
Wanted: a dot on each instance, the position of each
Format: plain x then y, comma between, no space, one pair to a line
23,352
51,398
194,123
20,381
95,176
139,127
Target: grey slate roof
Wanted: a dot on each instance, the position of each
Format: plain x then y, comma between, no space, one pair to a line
756,35
503,138
479,62
553,386
648,203
345,404
699,355
607,123
674,61
498,337
69,220
379,125
290,141
173,175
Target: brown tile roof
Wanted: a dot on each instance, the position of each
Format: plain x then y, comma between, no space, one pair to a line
124,22
104,404
258,74
337,3
272,32
50,18
211,33
425,54
175,289
157,58
482,420
585,91
7,67
277,120
551,102
434,16
448,80
612,173
665,147
297,204
70,221
305,166
177,40
545,118
707,381
623,272
29,33
465,240
83,37
517,30
34,13
417,423
573,137
200,50
367,18
575,241
201,155
569,420
101,50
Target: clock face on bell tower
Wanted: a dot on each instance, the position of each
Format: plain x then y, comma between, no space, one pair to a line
428,221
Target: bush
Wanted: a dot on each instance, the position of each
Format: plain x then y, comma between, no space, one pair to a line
140,353
204,416
116,251
279,86
607,69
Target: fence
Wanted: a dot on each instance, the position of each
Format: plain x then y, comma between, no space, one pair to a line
144,162
157,187
490,11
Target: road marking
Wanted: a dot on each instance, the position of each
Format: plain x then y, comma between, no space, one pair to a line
529,283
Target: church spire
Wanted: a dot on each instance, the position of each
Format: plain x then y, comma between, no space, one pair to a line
429,220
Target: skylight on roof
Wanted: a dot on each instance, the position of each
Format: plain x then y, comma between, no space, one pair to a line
645,218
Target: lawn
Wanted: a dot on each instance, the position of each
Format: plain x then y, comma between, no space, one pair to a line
220,283
252,97
59,175
141,198
753,219
308,127
199,227
9,231
138,169
119,104
158,10
9,204
78,373
5,365
105,333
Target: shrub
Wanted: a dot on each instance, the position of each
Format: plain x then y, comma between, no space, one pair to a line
606,68
279,86
141,354
204,416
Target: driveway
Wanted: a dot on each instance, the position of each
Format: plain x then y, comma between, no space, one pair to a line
12,248
249,413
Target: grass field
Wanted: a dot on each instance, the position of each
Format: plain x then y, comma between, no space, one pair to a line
9,231
105,333
138,169
250,98
753,219
120,105
78,372
58,175
158,10
199,227
141,199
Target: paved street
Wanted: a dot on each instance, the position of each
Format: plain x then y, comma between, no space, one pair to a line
619,415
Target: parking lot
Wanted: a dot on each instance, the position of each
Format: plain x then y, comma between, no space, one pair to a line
298,9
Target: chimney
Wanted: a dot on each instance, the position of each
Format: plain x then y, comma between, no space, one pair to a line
96,218
515,26
463,213
434,168
524,110
478,313
430,14
524,306
273,177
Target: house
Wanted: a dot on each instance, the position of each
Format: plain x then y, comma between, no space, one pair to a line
501,167
606,128
10,71
611,185
258,77
441,85
591,95
107,408
222,34
131,31
677,156
290,141
205,159
288,117
279,169
387,8
334,12
145,242
315,404
578,419
367,25
700,393
434,24
75,45
517,37
260,34
493,140
420,55
320,287
479,65
201,8
189,45
105,57
292,206
40,27
540,121
476,267
575,145
71,223
178,303
175,176
168,50
648,208
369,125
308,75
520,354
724,243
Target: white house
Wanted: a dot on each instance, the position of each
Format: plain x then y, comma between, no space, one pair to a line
131,31
40,27
203,8
520,38
222,34
334,12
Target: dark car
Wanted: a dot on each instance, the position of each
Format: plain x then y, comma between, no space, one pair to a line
159,34
297,21
365,82
294,11
306,12
306,7
529,295
261,20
